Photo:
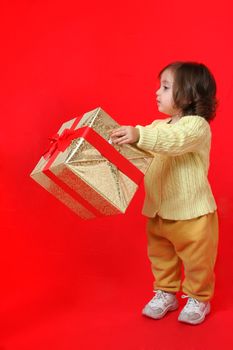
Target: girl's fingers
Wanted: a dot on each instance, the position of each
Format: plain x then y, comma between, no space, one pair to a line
118,133
120,140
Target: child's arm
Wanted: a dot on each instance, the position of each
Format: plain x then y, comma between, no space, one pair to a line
129,134
184,136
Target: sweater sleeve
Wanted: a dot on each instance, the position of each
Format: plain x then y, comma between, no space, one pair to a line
184,136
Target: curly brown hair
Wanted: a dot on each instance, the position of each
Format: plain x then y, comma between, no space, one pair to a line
194,89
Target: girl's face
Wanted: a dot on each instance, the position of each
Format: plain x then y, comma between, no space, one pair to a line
164,94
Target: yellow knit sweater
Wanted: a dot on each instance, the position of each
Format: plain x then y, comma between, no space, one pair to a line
176,183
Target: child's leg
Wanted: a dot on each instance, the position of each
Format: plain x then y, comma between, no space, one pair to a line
165,264
196,244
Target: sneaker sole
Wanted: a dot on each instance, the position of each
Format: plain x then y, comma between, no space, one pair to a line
159,316
199,320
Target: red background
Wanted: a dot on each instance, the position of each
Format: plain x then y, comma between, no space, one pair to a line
70,284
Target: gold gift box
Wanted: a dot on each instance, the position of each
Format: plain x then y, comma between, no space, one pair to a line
84,177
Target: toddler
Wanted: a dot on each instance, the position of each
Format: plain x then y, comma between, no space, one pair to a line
182,225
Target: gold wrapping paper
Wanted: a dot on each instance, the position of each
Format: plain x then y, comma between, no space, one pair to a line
90,175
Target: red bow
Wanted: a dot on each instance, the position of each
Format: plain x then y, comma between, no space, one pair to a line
59,142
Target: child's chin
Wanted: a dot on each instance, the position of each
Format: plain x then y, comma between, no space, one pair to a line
161,110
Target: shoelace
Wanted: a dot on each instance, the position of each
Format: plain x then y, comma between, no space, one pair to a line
159,297
192,303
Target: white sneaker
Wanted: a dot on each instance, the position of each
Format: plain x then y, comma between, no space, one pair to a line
194,311
160,305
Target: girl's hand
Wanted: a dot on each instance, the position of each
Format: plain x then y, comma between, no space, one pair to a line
125,134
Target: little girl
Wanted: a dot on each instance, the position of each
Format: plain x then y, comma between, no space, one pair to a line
182,223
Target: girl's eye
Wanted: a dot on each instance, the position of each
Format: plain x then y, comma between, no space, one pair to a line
165,87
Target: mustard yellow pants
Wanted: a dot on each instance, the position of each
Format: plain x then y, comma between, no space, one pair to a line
192,243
